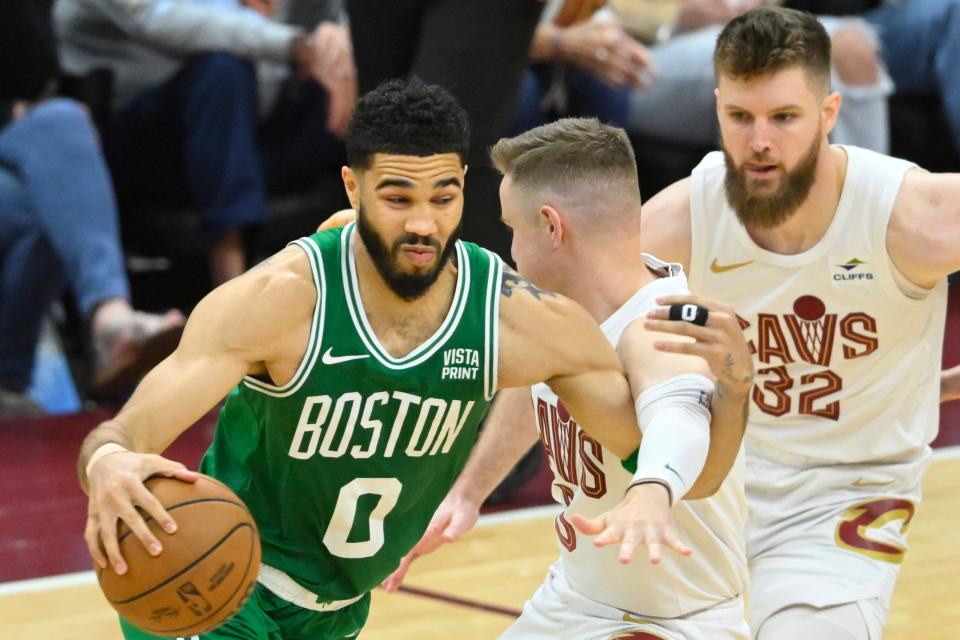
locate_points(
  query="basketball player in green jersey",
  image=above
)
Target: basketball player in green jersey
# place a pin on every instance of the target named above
(356, 364)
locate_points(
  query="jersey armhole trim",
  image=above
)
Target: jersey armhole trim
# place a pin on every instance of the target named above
(491, 334)
(309, 246)
(698, 223)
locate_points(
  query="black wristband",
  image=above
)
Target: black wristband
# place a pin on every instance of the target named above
(662, 483)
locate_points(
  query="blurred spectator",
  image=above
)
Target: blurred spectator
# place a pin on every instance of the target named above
(666, 92)
(477, 49)
(921, 48)
(192, 79)
(58, 222)
(580, 67)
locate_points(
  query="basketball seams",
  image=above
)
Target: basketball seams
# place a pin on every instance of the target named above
(147, 518)
(192, 564)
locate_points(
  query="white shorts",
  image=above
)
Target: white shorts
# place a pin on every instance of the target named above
(828, 535)
(557, 612)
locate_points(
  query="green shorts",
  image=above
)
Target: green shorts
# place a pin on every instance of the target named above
(266, 616)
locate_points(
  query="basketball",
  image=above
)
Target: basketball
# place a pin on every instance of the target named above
(206, 570)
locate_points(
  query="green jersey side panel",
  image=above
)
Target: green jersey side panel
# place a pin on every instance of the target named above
(344, 465)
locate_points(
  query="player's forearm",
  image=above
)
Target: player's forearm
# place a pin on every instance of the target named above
(507, 435)
(495, 455)
(727, 425)
(602, 404)
(950, 384)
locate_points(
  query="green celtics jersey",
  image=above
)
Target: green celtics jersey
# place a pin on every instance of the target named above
(344, 465)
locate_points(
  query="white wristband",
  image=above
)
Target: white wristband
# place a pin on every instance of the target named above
(103, 450)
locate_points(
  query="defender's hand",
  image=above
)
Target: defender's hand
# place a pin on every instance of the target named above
(641, 518)
(720, 341)
(453, 518)
(339, 219)
(116, 491)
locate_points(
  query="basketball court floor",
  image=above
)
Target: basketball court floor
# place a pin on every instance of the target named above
(471, 590)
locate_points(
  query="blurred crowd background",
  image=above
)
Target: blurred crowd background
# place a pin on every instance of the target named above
(153, 149)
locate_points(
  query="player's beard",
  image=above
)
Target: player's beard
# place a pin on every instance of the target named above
(769, 211)
(408, 286)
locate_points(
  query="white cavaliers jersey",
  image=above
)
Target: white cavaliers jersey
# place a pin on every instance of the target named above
(847, 364)
(589, 480)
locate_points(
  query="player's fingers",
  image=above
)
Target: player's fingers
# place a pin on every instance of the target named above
(688, 348)
(627, 549)
(673, 542)
(653, 552)
(338, 219)
(588, 527)
(460, 523)
(395, 579)
(91, 534)
(108, 536)
(157, 465)
(683, 328)
(143, 498)
(612, 534)
(712, 305)
(183, 474)
(709, 303)
(132, 517)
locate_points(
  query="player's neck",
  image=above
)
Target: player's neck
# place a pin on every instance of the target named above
(385, 309)
(811, 220)
(603, 279)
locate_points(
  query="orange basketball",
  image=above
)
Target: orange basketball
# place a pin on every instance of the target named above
(204, 574)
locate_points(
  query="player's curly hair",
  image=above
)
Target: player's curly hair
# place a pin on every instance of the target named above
(766, 40)
(406, 117)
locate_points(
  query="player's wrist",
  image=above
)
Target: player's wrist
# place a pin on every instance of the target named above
(646, 484)
(100, 453)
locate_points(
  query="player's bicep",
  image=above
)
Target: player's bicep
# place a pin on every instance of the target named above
(647, 366)
(188, 383)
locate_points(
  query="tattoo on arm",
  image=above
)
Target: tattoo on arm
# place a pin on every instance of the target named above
(514, 282)
(728, 371)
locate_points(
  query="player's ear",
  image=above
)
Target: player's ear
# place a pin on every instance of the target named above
(551, 220)
(351, 182)
(830, 110)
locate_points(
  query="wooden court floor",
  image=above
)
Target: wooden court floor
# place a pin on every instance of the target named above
(498, 565)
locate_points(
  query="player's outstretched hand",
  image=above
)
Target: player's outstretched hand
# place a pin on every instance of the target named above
(720, 341)
(116, 492)
(339, 219)
(641, 518)
(453, 518)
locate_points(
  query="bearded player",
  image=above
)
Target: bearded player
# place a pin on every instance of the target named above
(571, 198)
(357, 364)
(835, 258)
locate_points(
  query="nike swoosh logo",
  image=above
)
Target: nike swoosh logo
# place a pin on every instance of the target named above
(717, 268)
(329, 358)
(628, 617)
(860, 482)
(669, 468)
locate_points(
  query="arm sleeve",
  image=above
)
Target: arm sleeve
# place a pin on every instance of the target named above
(675, 419)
